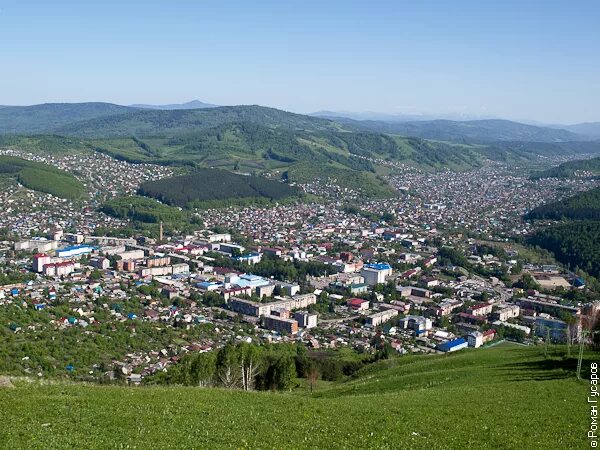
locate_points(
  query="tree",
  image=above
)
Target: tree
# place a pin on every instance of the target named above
(228, 367)
(249, 356)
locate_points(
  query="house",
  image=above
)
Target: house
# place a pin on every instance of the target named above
(358, 304)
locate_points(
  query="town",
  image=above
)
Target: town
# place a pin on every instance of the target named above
(429, 271)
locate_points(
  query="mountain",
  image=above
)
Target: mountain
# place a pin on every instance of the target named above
(472, 131)
(141, 123)
(194, 104)
(591, 129)
(397, 117)
(48, 117)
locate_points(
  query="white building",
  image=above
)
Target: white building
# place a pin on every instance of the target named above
(475, 339)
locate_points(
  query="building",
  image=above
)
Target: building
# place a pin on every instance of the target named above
(556, 329)
(419, 324)
(249, 307)
(59, 269)
(489, 335)
(305, 319)
(280, 324)
(376, 273)
(453, 346)
(358, 304)
(158, 261)
(508, 312)
(100, 263)
(381, 317)
(475, 339)
(74, 250)
(481, 309)
(40, 260)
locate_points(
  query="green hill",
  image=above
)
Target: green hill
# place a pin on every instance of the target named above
(48, 117)
(210, 185)
(489, 130)
(570, 168)
(41, 177)
(505, 397)
(582, 206)
(171, 123)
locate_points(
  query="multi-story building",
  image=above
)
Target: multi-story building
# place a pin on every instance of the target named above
(481, 309)
(508, 312)
(280, 324)
(40, 260)
(381, 317)
(376, 273)
(305, 319)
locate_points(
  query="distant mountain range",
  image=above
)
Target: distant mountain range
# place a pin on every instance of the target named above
(194, 104)
(471, 131)
(252, 138)
(591, 129)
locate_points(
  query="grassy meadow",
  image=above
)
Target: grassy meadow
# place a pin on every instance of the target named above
(509, 397)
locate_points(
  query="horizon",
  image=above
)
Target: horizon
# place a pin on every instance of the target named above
(512, 61)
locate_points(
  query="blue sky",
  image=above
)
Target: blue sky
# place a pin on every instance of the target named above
(537, 60)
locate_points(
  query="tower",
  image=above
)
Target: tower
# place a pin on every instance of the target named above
(160, 231)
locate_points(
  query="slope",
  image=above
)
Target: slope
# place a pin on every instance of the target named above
(490, 130)
(569, 169)
(505, 397)
(41, 177)
(48, 117)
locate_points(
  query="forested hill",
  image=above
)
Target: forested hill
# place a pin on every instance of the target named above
(170, 123)
(472, 131)
(571, 168)
(576, 240)
(582, 206)
(206, 185)
(48, 117)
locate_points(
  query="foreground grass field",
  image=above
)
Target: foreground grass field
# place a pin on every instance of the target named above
(504, 397)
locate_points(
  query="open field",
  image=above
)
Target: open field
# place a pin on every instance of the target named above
(504, 397)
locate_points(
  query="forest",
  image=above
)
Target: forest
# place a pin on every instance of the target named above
(41, 177)
(214, 184)
(581, 206)
(575, 243)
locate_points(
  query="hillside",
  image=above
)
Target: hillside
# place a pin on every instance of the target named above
(570, 168)
(144, 123)
(41, 177)
(576, 240)
(490, 130)
(575, 244)
(584, 205)
(591, 129)
(505, 397)
(214, 185)
(49, 117)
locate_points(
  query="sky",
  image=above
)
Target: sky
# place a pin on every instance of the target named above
(528, 59)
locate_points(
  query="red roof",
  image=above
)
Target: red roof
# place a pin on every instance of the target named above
(356, 301)
(488, 332)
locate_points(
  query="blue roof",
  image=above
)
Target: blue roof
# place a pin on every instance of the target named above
(451, 344)
(75, 247)
(379, 266)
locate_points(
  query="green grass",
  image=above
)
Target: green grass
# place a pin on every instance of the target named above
(506, 397)
(41, 177)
